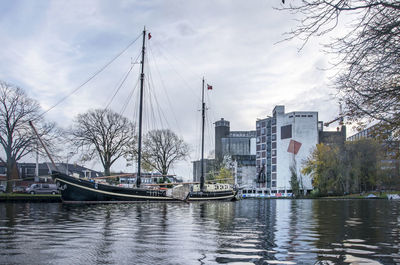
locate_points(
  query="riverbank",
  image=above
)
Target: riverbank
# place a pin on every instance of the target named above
(20, 197)
(367, 195)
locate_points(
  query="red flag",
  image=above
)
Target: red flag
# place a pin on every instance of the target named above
(209, 87)
(149, 35)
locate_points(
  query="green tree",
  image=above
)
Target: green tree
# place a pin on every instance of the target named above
(224, 176)
(322, 166)
(294, 180)
(355, 167)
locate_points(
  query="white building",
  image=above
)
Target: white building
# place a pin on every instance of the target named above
(284, 140)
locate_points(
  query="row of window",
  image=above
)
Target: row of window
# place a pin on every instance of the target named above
(302, 115)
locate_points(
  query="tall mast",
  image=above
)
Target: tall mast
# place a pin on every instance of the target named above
(203, 111)
(138, 180)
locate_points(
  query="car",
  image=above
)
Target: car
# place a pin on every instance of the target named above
(42, 188)
(2, 188)
(19, 189)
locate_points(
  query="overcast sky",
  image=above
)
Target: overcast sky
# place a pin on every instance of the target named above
(51, 47)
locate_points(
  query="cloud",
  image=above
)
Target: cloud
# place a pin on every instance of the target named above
(51, 47)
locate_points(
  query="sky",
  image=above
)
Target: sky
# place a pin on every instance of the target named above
(50, 48)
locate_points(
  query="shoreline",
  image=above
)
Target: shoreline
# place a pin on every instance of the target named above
(19, 197)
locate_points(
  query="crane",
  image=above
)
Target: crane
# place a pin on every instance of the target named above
(339, 118)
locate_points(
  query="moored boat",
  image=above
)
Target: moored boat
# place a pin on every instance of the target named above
(74, 189)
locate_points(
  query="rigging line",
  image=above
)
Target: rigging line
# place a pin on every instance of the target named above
(209, 133)
(187, 66)
(120, 85)
(151, 117)
(161, 114)
(211, 107)
(164, 88)
(93, 76)
(154, 96)
(128, 99)
(193, 90)
(123, 80)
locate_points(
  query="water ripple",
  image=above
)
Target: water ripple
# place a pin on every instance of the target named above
(322, 232)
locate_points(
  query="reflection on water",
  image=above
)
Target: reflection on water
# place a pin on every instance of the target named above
(245, 232)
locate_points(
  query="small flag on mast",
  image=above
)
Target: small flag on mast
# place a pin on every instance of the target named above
(149, 35)
(209, 87)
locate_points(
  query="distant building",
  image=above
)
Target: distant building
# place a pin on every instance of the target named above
(26, 172)
(237, 146)
(209, 169)
(284, 140)
(337, 137)
(147, 178)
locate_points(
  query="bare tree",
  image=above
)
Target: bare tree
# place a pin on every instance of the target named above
(16, 136)
(162, 148)
(103, 133)
(368, 79)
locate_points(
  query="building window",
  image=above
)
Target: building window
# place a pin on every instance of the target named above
(263, 154)
(274, 129)
(274, 176)
(263, 139)
(263, 146)
(297, 115)
(310, 116)
(263, 161)
(274, 160)
(291, 116)
(273, 137)
(273, 168)
(286, 131)
(303, 116)
(273, 152)
(273, 145)
(263, 124)
(274, 184)
(262, 131)
(258, 147)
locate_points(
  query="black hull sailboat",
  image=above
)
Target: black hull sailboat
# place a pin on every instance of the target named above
(90, 191)
(85, 191)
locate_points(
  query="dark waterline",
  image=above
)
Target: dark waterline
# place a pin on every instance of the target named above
(244, 232)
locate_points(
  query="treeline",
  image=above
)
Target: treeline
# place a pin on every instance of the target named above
(354, 167)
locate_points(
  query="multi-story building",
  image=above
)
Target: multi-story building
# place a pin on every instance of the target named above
(209, 169)
(283, 141)
(236, 146)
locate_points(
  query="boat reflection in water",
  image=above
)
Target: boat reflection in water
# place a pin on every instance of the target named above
(247, 232)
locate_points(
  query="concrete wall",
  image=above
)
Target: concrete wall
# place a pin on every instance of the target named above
(304, 131)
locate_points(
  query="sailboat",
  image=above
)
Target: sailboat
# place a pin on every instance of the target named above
(80, 190)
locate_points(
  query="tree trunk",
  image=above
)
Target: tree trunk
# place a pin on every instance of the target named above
(10, 171)
(164, 173)
(107, 167)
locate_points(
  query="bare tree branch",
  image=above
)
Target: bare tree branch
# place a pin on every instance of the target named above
(103, 133)
(368, 55)
(16, 137)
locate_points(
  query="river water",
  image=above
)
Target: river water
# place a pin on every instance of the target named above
(244, 232)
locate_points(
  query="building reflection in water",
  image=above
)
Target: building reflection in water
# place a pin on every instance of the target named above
(248, 231)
